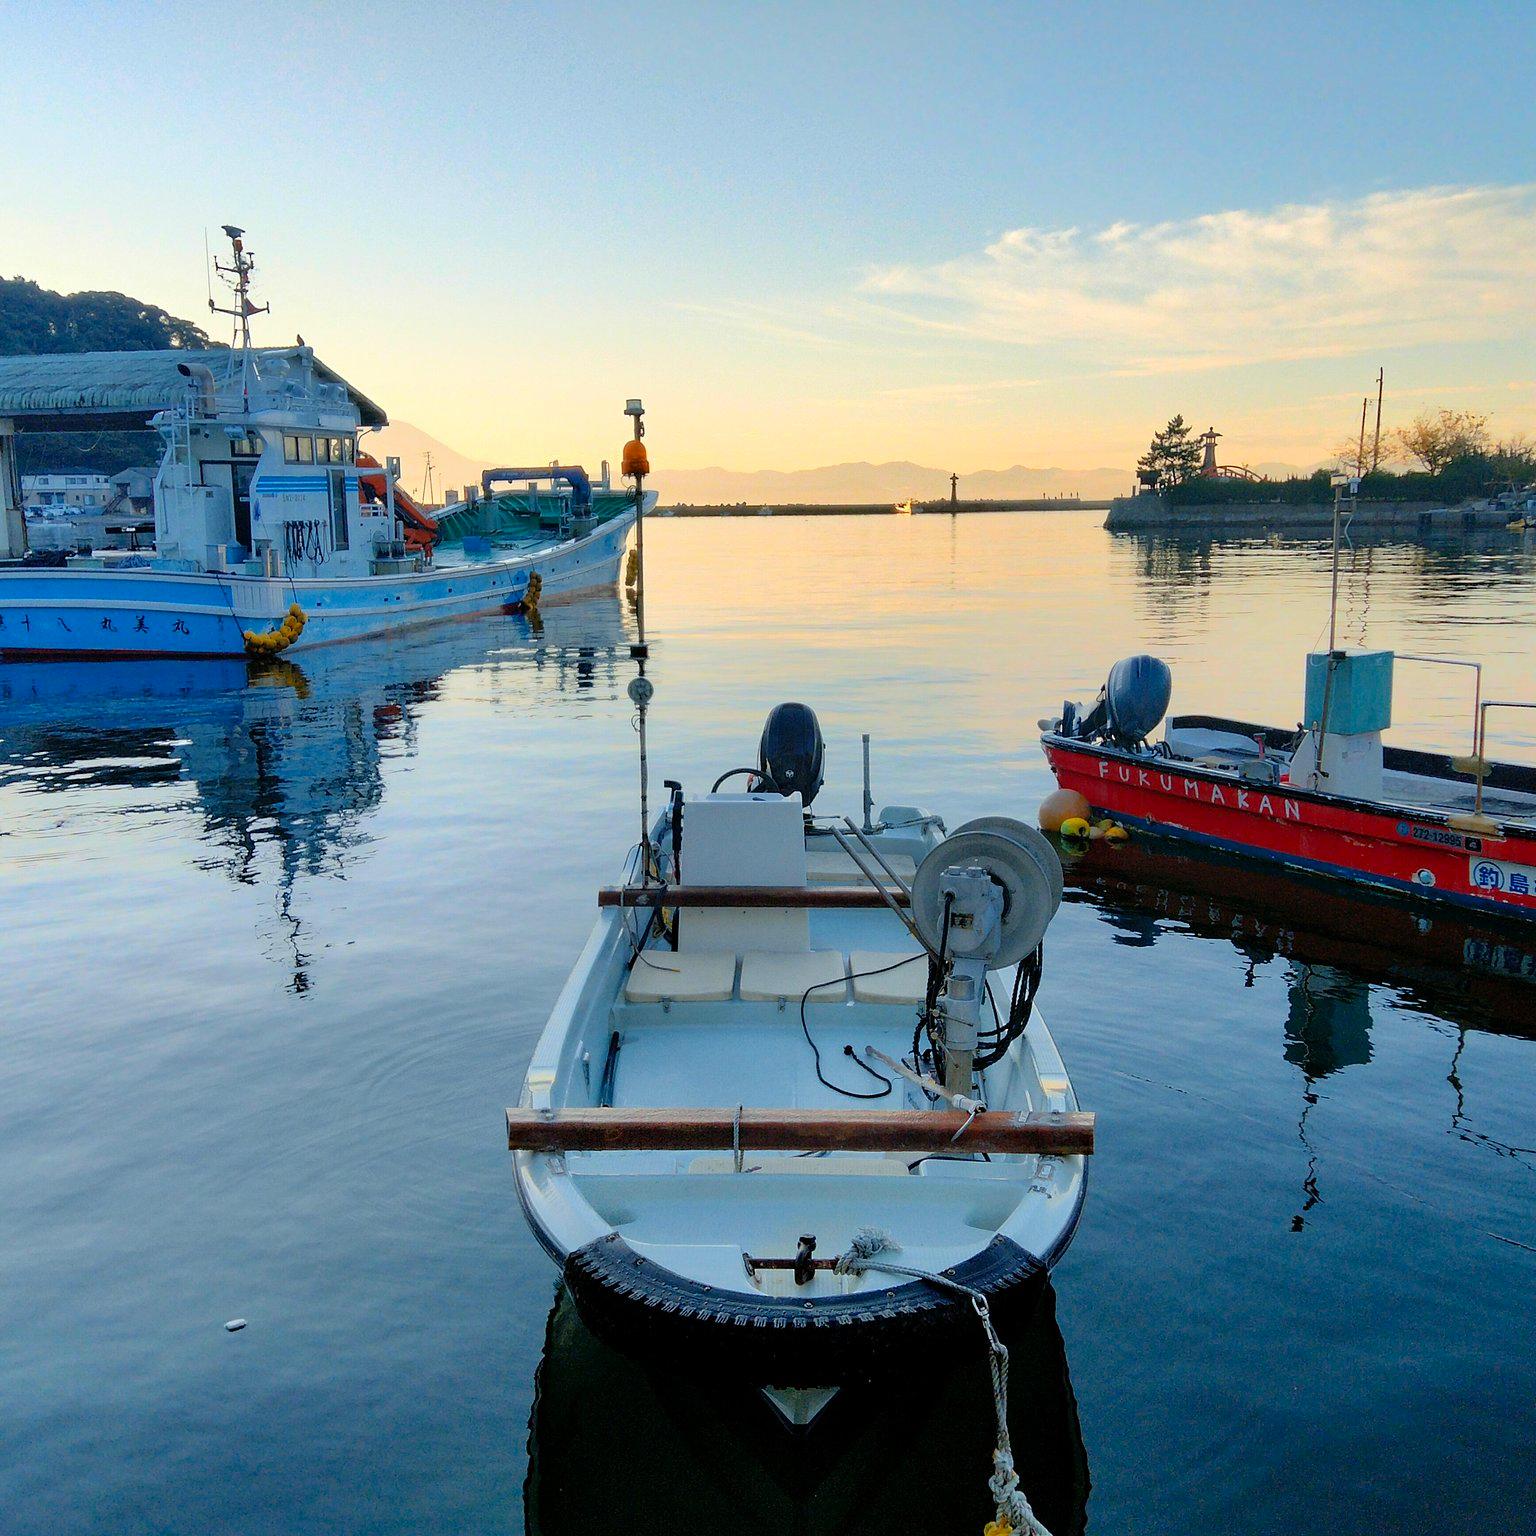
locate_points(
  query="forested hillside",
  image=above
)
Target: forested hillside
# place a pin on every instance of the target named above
(35, 319)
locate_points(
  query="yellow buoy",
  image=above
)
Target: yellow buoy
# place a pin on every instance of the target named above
(270, 642)
(1115, 833)
(1061, 806)
(1075, 826)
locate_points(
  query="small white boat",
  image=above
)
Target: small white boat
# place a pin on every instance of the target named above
(794, 1110)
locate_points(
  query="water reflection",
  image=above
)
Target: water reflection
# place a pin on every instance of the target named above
(284, 759)
(1337, 947)
(1338, 940)
(659, 1452)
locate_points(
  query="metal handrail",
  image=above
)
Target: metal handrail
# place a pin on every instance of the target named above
(1477, 693)
(1482, 738)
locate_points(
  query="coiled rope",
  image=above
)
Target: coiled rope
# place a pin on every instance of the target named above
(866, 1252)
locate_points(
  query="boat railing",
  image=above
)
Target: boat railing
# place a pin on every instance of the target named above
(1481, 756)
(1477, 696)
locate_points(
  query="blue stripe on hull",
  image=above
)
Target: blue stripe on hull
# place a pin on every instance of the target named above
(148, 613)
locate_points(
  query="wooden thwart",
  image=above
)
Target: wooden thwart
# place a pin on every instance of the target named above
(747, 896)
(796, 1130)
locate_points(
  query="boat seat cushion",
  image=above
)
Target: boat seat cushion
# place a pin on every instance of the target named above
(1197, 743)
(767, 975)
(907, 985)
(695, 977)
(834, 867)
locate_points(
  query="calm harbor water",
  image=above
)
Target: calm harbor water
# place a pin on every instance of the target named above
(275, 950)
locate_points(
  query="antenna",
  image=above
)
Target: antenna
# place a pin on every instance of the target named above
(237, 275)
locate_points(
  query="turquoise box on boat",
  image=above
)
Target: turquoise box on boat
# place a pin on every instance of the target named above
(1360, 697)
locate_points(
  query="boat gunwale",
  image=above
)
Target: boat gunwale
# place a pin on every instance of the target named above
(550, 1191)
(1517, 831)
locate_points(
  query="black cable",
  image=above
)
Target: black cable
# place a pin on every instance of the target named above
(805, 1029)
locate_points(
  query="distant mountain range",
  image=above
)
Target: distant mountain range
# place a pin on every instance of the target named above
(860, 482)
(883, 482)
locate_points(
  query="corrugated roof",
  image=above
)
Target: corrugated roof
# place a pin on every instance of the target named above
(64, 390)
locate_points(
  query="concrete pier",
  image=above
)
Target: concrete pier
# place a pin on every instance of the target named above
(1153, 513)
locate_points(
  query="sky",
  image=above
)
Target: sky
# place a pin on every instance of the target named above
(966, 235)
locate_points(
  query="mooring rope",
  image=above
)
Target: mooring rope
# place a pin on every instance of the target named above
(866, 1252)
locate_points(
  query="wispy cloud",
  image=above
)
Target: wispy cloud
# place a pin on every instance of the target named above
(1433, 265)
(960, 390)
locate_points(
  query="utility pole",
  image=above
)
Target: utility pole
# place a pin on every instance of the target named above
(1360, 451)
(1381, 374)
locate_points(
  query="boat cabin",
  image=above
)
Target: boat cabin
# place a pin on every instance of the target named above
(259, 471)
(260, 474)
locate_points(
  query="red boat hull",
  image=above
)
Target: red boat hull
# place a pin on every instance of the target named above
(1413, 852)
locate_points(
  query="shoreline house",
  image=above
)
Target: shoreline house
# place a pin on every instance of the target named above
(65, 492)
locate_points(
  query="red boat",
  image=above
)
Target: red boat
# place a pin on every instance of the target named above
(1327, 798)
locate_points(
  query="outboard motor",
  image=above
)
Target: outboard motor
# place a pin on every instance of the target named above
(1130, 705)
(790, 754)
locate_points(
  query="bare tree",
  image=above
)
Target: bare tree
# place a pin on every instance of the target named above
(1436, 439)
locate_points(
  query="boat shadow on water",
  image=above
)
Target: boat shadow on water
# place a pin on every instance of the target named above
(284, 760)
(1480, 972)
(657, 1450)
(1337, 943)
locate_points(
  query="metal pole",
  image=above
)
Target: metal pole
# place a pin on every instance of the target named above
(640, 649)
(1333, 599)
(1360, 451)
(869, 799)
(1381, 374)
(640, 687)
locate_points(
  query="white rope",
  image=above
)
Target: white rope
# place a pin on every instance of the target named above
(1013, 1512)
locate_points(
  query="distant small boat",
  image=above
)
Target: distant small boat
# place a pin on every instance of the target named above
(773, 1075)
(905, 507)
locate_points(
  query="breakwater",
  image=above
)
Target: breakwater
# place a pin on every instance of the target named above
(881, 508)
(1155, 513)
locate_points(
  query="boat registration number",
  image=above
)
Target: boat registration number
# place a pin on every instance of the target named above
(1497, 877)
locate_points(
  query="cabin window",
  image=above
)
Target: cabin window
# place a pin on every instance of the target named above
(322, 450)
(349, 450)
(248, 447)
(290, 448)
(337, 456)
(306, 450)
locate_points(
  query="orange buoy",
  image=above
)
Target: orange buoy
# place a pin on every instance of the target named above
(1063, 805)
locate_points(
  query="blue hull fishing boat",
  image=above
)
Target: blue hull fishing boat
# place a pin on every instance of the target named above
(272, 531)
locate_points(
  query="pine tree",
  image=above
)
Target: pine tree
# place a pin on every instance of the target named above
(1172, 458)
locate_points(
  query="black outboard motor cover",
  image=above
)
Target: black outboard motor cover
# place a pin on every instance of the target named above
(790, 755)
(1136, 699)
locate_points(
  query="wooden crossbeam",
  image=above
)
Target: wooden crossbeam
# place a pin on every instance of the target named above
(715, 1129)
(746, 896)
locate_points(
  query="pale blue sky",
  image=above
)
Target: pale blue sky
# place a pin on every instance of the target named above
(782, 225)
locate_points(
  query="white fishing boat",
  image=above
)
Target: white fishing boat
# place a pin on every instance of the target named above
(795, 1111)
(273, 531)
